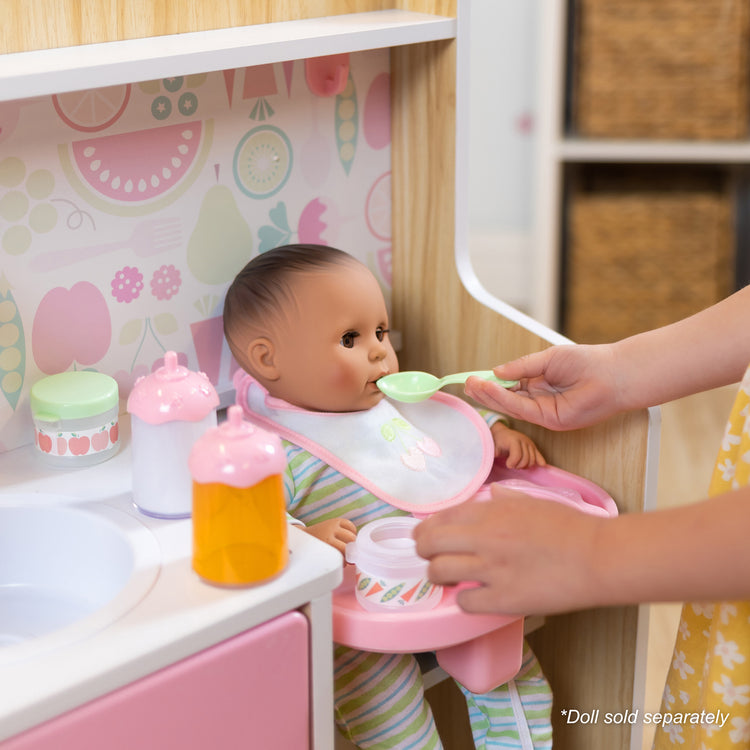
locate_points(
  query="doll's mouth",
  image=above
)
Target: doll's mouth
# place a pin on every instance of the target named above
(374, 382)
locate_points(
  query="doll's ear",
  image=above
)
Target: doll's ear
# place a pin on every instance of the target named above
(261, 356)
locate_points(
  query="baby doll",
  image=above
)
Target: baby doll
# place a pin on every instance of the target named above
(308, 324)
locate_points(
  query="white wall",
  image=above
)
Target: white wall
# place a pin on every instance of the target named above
(502, 90)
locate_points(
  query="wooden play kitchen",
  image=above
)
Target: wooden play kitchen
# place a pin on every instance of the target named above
(593, 659)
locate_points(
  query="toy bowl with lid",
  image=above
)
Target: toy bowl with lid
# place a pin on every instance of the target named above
(390, 575)
(76, 418)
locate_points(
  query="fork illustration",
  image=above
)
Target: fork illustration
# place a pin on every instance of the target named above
(148, 238)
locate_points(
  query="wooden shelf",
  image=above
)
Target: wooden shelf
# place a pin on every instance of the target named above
(684, 152)
(43, 72)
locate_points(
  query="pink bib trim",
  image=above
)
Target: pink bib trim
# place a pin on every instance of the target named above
(449, 474)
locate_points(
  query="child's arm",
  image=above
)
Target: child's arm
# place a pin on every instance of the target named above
(519, 449)
(337, 532)
(532, 556)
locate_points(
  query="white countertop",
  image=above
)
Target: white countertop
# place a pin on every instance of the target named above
(180, 615)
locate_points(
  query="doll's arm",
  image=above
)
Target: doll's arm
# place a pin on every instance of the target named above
(520, 450)
(337, 532)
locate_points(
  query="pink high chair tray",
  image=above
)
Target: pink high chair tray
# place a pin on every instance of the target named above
(480, 651)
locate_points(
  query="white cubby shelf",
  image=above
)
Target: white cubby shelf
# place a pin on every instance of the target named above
(52, 71)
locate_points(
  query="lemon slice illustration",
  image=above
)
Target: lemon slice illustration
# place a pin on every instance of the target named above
(93, 109)
(262, 161)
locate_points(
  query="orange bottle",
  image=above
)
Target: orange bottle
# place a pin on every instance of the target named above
(239, 515)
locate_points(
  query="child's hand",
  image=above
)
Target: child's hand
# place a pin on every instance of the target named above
(337, 532)
(520, 450)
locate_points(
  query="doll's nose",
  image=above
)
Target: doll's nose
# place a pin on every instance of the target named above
(378, 351)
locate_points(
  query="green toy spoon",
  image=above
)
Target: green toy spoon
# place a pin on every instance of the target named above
(417, 386)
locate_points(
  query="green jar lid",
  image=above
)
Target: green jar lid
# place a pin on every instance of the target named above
(73, 395)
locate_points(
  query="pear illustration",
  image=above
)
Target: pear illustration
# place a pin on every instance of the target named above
(221, 242)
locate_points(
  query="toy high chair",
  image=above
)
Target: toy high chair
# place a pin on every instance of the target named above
(480, 651)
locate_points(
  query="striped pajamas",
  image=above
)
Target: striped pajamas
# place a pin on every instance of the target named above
(379, 698)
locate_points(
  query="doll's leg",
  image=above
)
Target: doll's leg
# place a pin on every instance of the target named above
(514, 715)
(379, 701)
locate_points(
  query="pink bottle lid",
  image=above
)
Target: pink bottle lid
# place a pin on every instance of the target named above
(172, 394)
(236, 453)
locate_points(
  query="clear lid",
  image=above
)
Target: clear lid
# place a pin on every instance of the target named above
(386, 548)
(236, 453)
(172, 394)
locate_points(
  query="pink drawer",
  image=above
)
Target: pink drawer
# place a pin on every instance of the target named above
(249, 691)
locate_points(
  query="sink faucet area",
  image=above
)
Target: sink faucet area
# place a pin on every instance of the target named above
(95, 595)
(67, 571)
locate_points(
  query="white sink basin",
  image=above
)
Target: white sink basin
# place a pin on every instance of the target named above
(67, 571)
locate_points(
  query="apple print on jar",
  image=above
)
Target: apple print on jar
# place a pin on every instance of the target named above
(75, 418)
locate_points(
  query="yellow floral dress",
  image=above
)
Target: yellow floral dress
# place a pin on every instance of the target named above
(709, 679)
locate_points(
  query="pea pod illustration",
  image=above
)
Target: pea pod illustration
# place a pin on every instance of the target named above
(392, 593)
(12, 346)
(347, 124)
(426, 586)
(363, 584)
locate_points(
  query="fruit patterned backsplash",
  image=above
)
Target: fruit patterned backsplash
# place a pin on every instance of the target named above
(126, 211)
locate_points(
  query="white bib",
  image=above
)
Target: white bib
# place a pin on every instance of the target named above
(417, 457)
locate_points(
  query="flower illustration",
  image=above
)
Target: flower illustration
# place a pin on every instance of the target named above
(741, 731)
(127, 284)
(667, 698)
(684, 629)
(727, 469)
(680, 664)
(674, 732)
(727, 610)
(732, 693)
(729, 440)
(165, 282)
(703, 608)
(728, 652)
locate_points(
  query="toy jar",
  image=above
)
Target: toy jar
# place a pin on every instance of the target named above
(170, 409)
(390, 575)
(75, 418)
(239, 513)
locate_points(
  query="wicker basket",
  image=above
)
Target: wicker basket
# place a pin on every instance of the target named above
(645, 247)
(661, 69)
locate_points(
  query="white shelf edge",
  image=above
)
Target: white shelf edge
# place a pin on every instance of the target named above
(689, 152)
(42, 72)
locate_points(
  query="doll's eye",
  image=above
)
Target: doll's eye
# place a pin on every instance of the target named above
(347, 340)
(380, 333)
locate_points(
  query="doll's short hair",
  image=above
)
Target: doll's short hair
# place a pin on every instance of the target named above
(259, 292)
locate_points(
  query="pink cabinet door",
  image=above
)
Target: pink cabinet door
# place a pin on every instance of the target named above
(250, 692)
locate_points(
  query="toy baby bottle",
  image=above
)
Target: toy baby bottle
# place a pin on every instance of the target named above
(170, 409)
(239, 515)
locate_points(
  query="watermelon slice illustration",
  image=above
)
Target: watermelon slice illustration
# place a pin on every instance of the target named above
(136, 173)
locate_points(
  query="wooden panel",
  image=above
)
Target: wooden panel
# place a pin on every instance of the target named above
(589, 657)
(42, 24)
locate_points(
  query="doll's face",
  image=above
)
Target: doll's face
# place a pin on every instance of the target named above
(332, 344)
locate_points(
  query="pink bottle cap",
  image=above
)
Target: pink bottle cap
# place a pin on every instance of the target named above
(172, 394)
(236, 453)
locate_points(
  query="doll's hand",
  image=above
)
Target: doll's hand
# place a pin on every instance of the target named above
(337, 532)
(519, 449)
